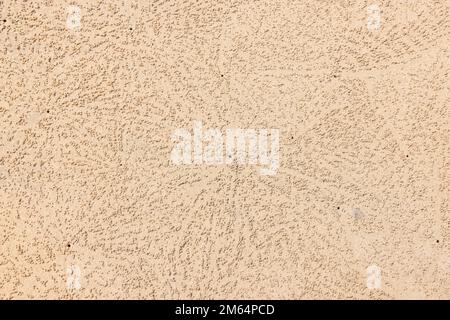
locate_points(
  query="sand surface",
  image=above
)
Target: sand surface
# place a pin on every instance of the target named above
(91, 205)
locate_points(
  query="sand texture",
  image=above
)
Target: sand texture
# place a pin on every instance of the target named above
(91, 206)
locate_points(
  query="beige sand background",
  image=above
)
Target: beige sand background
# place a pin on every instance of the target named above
(86, 181)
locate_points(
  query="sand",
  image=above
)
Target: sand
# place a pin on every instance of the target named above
(91, 206)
